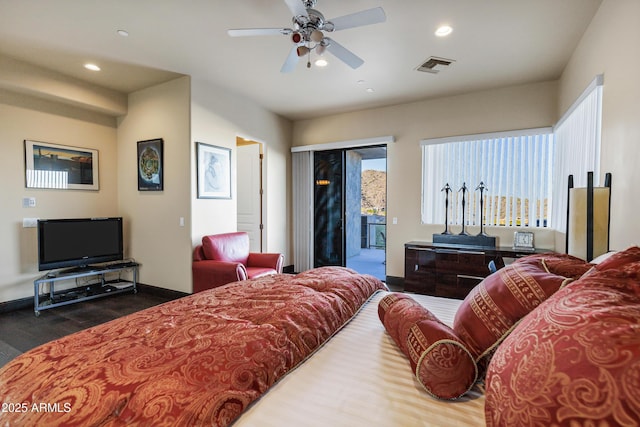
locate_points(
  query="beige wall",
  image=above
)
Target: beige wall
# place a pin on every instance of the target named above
(24, 117)
(519, 107)
(610, 47)
(152, 218)
(153, 234)
(218, 117)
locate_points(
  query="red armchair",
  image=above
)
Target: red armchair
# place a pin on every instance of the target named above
(225, 258)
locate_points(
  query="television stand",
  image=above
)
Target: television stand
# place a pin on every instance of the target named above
(101, 288)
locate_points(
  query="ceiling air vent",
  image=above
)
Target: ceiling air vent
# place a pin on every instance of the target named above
(434, 64)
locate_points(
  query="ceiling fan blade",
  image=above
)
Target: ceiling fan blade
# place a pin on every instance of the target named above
(296, 7)
(344, 54)
(358, 19)
(291, 61)
(243, 32)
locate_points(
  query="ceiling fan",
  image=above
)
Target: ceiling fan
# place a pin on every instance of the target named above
(308, 32)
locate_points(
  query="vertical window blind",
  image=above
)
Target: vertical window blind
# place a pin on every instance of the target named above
(577, 136)
(302, 168)
(514, 167)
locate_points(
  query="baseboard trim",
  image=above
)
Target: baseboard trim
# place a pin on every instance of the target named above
(18, 304)
(163, 292)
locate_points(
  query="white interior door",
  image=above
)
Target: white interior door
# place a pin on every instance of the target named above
(249, 193)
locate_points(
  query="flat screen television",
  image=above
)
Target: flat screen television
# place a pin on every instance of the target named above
(78, 242)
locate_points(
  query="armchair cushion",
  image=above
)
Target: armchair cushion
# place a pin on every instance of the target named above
(232, 247)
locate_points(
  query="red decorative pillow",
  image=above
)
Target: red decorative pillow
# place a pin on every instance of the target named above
(439, 360)
(573, 361)
(618, 259)
(560, 264)
(497, 303)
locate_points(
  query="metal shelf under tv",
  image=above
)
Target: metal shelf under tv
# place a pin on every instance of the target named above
(102, 288)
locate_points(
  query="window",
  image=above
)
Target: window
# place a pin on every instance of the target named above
(525, 172)
(515, 168)
(577, 136)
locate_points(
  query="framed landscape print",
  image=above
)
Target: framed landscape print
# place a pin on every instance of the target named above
(150, 165)
(60, 167)
(214, 171)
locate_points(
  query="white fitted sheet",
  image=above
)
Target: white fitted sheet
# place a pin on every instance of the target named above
(359, 378)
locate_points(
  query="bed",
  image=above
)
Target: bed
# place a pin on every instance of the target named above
(333, 347)
(361, 379)
(333, 364)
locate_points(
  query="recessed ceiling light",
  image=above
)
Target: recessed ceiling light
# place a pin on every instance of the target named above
(360, 82)
(92, 67)
(321, 62)
(443, 31)
(123, 33)
(370, 90)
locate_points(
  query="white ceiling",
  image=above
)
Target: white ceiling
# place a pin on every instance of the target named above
(494, 43)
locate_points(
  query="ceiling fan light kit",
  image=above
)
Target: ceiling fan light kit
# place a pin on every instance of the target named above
(308, 32)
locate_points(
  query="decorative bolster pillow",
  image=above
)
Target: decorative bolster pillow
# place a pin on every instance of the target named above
(438, 358)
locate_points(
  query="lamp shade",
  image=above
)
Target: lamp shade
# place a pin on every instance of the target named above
(577, 226)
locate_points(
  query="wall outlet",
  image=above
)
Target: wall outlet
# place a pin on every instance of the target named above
(29, 222)
(395, 220)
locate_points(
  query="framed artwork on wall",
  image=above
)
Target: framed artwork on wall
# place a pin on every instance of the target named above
(150, 165)
(214, 171)
(60, 167)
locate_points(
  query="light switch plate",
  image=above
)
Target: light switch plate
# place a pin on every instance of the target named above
(28, 202)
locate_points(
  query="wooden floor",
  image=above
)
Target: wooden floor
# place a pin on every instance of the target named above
(21, 330)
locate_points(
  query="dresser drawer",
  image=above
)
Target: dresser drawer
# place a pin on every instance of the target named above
(467, 262)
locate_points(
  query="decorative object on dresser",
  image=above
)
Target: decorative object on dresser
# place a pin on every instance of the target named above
(464, 238)
(482, 187)
(450, 270)
(447, 190)
(523, 240)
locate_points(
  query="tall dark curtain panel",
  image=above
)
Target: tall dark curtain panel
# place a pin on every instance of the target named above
(329, 208)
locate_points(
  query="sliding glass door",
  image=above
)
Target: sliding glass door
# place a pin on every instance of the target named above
(329, 242)
(349, 191)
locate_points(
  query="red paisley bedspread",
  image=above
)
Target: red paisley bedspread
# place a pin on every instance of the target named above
(199, 360)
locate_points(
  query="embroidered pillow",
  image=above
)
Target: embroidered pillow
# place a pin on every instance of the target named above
(575, 360)
(560, 264)
(496, 304)
(618, 259)
(439, 360)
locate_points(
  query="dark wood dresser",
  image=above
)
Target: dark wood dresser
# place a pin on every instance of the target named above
(451, 271)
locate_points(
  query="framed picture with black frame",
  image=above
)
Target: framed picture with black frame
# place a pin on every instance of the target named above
(214, 171)
(150, 165)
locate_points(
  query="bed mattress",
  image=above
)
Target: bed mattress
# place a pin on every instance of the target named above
(361, 378)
